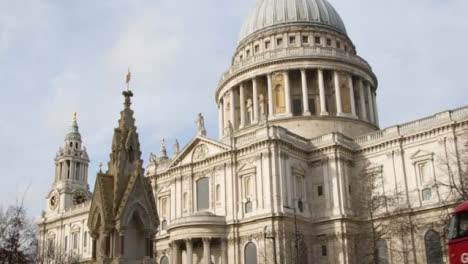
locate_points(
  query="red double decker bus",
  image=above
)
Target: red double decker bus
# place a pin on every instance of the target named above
(458, 235)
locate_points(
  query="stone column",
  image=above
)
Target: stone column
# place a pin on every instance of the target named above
(206, 250)
(270, 96)
(242, 106)
(72, 170)
(339, 105)
(287, 92)
(376, 112)
(233, 109)
(371, 105)
(323, 99)
(93, 248)
(175, 253)
(221, 118)
(224, 251)
(255, 100)
(363, 100)
(226, 117)
(189, 246)
(351, 95)
(122, 244)
(305, 93)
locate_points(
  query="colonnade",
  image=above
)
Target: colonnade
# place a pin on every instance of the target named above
(188, 243)
(364, 107)
(73, 170)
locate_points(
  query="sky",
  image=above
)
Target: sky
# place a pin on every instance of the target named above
(60, 57)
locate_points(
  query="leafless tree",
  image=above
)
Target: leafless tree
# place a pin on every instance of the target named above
(451, 180)
(384, 218)
(54, 256)
(18, 236)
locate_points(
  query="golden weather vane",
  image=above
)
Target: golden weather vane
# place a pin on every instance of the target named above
(129, 77)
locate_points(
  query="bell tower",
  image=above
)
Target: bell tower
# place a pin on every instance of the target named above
(70, 185)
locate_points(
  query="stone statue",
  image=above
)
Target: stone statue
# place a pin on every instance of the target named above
(152, 158)
(201, 125)
(163, 148)
(261, 102)
(228, 129)
(176, 147)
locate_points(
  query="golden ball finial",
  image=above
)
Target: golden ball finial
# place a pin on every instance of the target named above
(74, 116)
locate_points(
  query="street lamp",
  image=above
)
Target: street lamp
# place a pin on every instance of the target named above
(296, 235)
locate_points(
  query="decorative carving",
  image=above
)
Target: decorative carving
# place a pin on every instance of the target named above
(200, 152)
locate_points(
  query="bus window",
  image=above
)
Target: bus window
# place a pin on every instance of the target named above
(459, 225)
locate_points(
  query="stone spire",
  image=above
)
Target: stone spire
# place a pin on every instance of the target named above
(123, 196)
(73, 134)
(125, 158)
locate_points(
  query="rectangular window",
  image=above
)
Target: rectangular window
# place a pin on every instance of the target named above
(267, 44)
(305, 39)
(297, 107)
(329, 42)
(85, 239)
(427, 194)
(320, 190)
(257, 48)
(247, 53)
(75, 241)
(203, 194)
(65, 245)
(279, 41)
(317, 40)
(338, 45)
(292, 40)
(324, 251)
(312, 106)
(241, 57)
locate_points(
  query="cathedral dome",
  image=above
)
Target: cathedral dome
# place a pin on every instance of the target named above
(270, 13)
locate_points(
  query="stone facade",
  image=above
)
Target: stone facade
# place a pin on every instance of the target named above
(298, 157)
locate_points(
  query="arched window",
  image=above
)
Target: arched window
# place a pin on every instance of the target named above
(381, 252)
(248, 207)
(164, 260)
(250, 253)
(164, 225)
(203, 194)
(433, 247)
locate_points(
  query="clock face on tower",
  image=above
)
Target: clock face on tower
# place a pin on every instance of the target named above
(53, 201)
(79, 197)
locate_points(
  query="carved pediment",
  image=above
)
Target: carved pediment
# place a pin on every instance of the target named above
(199, 148)
(422, 155)
(373, 168)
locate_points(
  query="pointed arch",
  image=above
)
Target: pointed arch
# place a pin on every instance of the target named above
(95, 218)
(141, 213)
